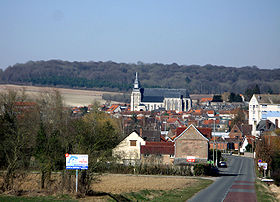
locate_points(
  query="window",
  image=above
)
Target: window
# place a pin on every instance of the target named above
(132, 143)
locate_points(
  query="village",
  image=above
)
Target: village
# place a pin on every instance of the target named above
(174, 137)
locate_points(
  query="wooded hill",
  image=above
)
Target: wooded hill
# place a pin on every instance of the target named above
(120, 76)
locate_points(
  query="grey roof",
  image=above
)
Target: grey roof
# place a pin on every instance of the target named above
(158, 94)
(265, 125)
(151, 136)
(268, 98)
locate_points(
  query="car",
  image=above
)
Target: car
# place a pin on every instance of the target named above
(222, 164)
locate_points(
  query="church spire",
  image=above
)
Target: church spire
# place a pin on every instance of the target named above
(136, 82)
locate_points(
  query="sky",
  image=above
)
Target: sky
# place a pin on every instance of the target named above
(220, 32)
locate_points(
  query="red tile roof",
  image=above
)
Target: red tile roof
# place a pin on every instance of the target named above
(206, 99)
(157, 148)
(206, 132)
(210, 121)
(250, 139)
(210, 112)
(112, 107)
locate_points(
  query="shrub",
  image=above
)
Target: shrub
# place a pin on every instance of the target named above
(199, 169)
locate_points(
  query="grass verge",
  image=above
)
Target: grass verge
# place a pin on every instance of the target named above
(171, 195)
(5, 198)
(263, 193)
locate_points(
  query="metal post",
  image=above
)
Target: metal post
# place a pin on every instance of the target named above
(214, 151)
(76, 180)
(214, 143)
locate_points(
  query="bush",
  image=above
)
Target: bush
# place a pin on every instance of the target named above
(276, 176)
(276, 168)
(199, 169)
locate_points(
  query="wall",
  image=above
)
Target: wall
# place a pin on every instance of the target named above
(127, 153)
(191, 143)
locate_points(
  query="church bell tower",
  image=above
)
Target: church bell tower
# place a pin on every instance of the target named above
(135, 95)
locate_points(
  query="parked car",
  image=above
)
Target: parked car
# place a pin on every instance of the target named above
(222, 164)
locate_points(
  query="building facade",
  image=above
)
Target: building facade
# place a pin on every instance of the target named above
(191, 143)
(128, 151)
(149, 99)
(264, 107)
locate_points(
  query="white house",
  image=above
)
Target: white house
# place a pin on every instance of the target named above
(247, 140)
(128, 150)
(264, 107)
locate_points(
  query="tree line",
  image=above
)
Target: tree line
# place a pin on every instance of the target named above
(36, 134)
(119, 76)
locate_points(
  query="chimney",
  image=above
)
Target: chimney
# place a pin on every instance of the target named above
(267, 124)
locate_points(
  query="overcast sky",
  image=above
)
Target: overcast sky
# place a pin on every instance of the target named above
(219, 32)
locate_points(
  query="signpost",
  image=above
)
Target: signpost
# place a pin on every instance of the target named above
(262, 164)
(76, 162)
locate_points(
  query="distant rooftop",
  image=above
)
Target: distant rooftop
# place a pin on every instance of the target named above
(158, 94)
(268, 98)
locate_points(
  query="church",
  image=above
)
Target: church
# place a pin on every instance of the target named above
(149, 99)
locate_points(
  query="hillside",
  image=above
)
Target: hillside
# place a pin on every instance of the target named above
(119, 76)
(70, 97)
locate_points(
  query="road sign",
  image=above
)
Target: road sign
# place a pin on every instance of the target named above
(77, 161)
(265, 167)
(259, 160)
(191, 159)
(262, 164)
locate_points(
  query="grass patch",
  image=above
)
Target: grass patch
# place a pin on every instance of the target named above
(4, 198)
(170, 195)
(263, 193)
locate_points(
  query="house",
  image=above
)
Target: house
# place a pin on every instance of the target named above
(191, 144)
(236, 133)
(248, 139)
(114, 108)
(157, 153)
(128, 151)
(206, 101)
(150, 99)
(265, 126)
(264, 107)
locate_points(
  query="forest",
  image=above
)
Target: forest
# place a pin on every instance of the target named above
(112, 76)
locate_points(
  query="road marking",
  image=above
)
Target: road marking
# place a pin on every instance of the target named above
(240, 196)
(240, 166)
(240, 181)
(227, 192)
(243, 187)
(242, 190)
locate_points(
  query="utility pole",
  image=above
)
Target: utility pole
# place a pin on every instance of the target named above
(215, 139)
(214, 145)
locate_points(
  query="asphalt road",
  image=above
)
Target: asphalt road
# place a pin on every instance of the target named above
(235, 184)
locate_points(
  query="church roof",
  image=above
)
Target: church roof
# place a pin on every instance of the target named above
(158, 94)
